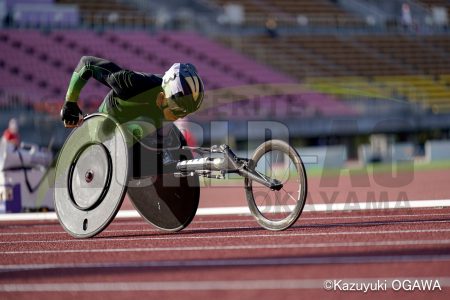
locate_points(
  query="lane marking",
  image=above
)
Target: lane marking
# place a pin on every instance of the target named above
(252, 220)
(194, 229)
(302, 218)
(237, 262)
(239, 247)
(209, 237)
(362, 206)
(226, 285)
(244, 210)
(164, 286)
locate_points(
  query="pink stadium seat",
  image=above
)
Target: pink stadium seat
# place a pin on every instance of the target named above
(47, 60)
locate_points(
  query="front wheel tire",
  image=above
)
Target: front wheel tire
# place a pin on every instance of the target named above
(277, 210)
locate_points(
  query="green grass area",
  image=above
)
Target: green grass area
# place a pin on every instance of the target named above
(380, 168)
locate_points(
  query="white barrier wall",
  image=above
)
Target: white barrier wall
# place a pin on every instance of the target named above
(30, 199)
(312, 157)
(3, 10)
(437, 150)
(401, 152)
(394, 153)
(26, 167)
(324, 156)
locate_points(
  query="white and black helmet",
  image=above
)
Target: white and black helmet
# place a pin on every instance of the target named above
(183, 88)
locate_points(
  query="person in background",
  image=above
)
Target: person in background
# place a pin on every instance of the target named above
(407, 19)
(11, 134)
(272, 27)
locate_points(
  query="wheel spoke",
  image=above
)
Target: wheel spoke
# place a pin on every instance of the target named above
(264, 200)
(287, 170)
(277, 200)
(268, 164)
(290, 195)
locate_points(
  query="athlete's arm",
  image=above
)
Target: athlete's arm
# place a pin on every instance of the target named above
(124, 83)
(89, 66)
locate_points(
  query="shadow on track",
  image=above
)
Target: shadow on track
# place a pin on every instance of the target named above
(187, 231)
(128, 268)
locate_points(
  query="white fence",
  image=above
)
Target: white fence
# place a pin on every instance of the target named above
(437, 150)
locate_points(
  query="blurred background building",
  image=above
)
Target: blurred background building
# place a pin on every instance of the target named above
(357, 80)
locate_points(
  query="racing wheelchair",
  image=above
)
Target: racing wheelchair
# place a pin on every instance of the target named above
(102, 160)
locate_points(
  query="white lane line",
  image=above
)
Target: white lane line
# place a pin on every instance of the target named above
(250, 219)
(194, 229)
(302, 218)
(163, 286)
(242, 220)
(334, 207)
(171, 237)
(224, 285)
(238, 262)
(239, 247)
(244, 210)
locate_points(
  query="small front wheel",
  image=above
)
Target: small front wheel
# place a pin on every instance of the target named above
(277, 209)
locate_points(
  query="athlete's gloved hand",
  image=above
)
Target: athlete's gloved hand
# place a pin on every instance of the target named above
(71, 114)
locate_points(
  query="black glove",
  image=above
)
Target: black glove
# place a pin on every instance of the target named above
(70, 114)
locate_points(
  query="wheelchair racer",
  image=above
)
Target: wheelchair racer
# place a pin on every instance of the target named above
(134, 94)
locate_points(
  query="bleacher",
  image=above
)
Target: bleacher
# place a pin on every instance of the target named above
(420, 89)
(39, 13)
(401, 66)
(288, 12)
(412, 52)
(100, 12)
(325, 63)
(40, 64)
(408, 67)
(435, 3)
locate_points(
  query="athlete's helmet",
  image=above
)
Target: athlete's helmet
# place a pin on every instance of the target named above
(183, 88)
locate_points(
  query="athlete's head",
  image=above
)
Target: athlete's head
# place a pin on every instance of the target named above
(183, 91)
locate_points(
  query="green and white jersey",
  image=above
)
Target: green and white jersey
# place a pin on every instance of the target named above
(133, 94)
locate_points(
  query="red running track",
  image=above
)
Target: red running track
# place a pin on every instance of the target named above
(230, 257)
